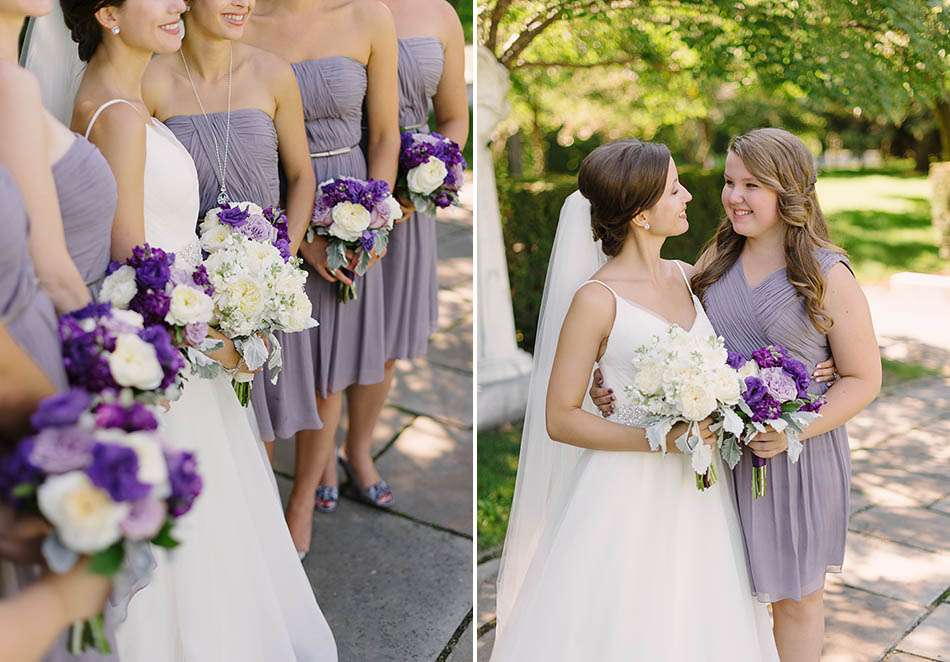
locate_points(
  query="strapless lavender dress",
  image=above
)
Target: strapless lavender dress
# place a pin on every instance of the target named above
(796, 532)
(409, 269)
(285, 408)
(349, 344)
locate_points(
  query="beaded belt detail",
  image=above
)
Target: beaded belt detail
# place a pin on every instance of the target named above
(332, 152)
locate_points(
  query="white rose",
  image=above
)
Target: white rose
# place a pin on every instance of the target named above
(247, 294)
(725, 385)
(134, 363)
(395, 211)
(427, 177)
(153, 470)
(119, 287)
(189, 306)
(750, 369)
(85, 517)
(349, 221)
(713, 352)
(262, 257)
(214, 237)
(297, 316)
(648, 379)
(129, 317)
(251, 208)
(696, 402)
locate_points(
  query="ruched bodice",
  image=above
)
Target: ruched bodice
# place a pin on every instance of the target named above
(87, 196)
(332, 90)
(17, 281)
(421, 60)
(252, 172)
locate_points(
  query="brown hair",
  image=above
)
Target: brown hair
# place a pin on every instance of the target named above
(782, 163)
(80, 18)
(621, 179)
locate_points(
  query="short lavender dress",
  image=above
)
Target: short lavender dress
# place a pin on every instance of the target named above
(796, 532)
(349, 345)
(87, 196)
(289, 406)
(409, 270)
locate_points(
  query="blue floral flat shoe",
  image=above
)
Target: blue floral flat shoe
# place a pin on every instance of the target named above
(327, 498)
(379, 494)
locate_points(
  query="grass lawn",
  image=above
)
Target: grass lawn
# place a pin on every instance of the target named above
(883, 221)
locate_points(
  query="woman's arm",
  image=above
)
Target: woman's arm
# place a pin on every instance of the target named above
(382, 94)
(583, 334)
(22, 386)
(120, 135)
(294, 151)
(451, 99)
(24, 151)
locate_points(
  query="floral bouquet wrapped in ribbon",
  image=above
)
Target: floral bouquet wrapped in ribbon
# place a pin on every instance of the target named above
(431, 171)
(685, 378)
(258, 289)
(356, 216)
(775, 394)
(267, 226)
(107, 492)
(165, 292)
(106, 349)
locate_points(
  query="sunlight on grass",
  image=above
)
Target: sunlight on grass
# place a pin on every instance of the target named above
(497, 466)
(883, 221)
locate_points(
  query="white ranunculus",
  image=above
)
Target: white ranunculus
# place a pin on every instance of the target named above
(726, 385)
(649, 379)
(349, 221)
(119, 287)
(214, 236)
(85, 517)
(297, 316)
(248, 295)
(189, 306)
(750, 369)
(262, 257)
(696, 401)
(134, 363)
(427, 177)
(395, 211)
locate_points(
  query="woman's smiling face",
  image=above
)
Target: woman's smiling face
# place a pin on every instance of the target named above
(750, 207)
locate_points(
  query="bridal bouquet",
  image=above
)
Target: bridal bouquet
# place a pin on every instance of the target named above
(258, 288)
(107, 349)
(775, 394)
(685, 378)
(107, 492)
(167, 293)
(356, 216)
(431, 171)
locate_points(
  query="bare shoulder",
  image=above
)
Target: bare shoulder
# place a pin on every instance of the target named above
(593, 298)
(267, 66)
(373, 14)
(119, 123)
(444, 12)
(840, 279)
(687, 268)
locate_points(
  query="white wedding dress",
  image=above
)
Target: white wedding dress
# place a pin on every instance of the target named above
(234, 591)
(625, 560)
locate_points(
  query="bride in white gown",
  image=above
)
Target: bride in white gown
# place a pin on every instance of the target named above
(611, 553)
(234, 591)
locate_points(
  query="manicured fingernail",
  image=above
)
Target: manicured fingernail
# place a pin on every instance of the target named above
(610, 390)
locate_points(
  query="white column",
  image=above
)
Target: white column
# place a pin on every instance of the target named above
(503, 368)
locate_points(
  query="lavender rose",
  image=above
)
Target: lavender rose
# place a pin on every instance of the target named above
(58, 450)
(61, 409)
(779, 383)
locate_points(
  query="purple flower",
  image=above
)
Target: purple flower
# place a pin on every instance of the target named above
(368, 240)
(58, 450)
(185, 481)
(153, 273)
(764, 407)
(770, 356)
(258, 228)
(813, 406)
(735, 360)
(283, 247)
(115, 469)
(151, 305)
(144, 520)
(200, 276)
(799, 373)
(233, 216)
(196, 333)
(133, 418)
(779, 383)
(168, 355)
(61, 409)
(16, 469)
(113, 267)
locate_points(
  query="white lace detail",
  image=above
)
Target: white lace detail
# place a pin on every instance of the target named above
(633, 416)
(189, 254)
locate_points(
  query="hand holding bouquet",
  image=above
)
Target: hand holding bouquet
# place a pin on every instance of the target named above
(107, 493)
(431, 171)
(354, 215)
(685, 378)
(775, 394)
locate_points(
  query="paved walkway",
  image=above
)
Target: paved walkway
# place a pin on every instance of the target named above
(892, 602)
(397, 586)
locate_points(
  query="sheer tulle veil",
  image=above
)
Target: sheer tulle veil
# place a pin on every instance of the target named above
(545, 465)
(50, 53)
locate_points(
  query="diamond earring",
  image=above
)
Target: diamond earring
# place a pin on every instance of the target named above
(115, 29)
(646, 226)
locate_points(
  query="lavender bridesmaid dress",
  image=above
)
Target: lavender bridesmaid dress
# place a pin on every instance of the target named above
(87, 196)
(349, 344)
(285, 408)
(796, 532)
(25, 310)
(409, 270)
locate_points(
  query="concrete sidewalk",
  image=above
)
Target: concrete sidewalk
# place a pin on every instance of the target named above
(396, 586)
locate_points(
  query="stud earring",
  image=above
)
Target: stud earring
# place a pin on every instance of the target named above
(115, 29)
(646, 226)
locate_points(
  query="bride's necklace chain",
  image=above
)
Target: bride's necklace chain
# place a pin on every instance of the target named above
(223, 197)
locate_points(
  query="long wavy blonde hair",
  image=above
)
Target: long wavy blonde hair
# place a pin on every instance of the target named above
(780, 161)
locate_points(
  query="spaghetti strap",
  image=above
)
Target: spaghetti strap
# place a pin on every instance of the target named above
(680, 267)
(600, 282)
(102, 108)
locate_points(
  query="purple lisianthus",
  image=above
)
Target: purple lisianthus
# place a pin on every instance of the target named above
(735, 360)
(799, 373)
(58, 450)
(186, 483)
(153, 273)
(132, 418)
(779, 383)
(233, 216)
(764, 407)
(168, 355)
(367, 240)
(144, 520)
(61, 409)
(115, 469)
(83, 350)
(151, 305)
